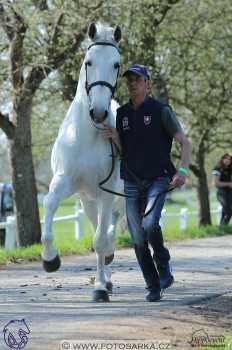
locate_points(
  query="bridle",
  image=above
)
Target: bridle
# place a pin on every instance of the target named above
(88, 86)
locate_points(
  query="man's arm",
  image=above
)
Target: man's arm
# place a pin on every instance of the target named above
(174, 129)
(181, 175)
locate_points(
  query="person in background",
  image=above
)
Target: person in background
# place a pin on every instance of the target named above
(222, 175)
(145, 128)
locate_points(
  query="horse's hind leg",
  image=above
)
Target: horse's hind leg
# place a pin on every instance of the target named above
(90, 209)
(60, 188)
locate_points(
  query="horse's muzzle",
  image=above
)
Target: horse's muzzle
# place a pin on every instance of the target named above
(98, 118)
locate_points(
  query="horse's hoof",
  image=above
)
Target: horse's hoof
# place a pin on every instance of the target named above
(109, 259)
(109, 286)
(53, 265)
(100, 295)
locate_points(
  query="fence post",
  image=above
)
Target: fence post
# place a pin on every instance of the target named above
(10, 238)
(162, 218)
(183, 218)
(219, 214)
(79, 229)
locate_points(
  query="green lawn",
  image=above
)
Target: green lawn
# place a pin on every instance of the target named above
(67, 244)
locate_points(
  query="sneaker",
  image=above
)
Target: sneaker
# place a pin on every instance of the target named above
(153, 295)
(166, 277)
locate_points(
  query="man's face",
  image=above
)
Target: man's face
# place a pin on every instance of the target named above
(137, 85)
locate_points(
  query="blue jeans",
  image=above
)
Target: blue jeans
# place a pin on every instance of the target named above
(224, 196)
(146, 229)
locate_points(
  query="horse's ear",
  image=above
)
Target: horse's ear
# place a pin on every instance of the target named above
(92, 31)
(117, 34)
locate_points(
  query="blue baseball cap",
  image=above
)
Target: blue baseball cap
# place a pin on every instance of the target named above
(138, 69)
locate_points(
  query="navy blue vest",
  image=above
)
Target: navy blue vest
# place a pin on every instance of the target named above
(146, 146)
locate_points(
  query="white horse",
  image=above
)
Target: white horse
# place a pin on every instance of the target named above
(81, 156)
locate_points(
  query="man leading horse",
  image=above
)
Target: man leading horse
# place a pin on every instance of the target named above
(144, 132)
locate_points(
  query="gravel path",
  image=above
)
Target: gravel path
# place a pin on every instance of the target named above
(58, 306)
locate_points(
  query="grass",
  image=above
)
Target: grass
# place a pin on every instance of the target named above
(175, 235)
(67, 244)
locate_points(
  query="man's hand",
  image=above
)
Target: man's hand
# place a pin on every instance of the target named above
(111, 133)
(178, 179)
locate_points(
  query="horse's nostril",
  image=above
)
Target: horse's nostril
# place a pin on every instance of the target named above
(106, 113)
(91, 113)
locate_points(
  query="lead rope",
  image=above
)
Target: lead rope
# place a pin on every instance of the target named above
(142, 189)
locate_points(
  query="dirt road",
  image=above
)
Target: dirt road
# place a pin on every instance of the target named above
(57, 307)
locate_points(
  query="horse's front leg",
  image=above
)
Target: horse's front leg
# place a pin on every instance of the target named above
(60, 188)
(104, 247)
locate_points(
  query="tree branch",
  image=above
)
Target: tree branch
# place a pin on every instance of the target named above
(5, 22)
(56, 30)
(34, 79)
(164, 10)
(7, 126)
(92, 8)
(195, 170)
(41, 4)
(16, 50)
(15, 29)
(55, 61)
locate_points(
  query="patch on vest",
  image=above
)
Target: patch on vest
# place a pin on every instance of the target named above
(147, 119)
(125, 123)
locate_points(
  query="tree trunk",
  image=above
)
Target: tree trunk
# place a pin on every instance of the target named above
(24, 185)
(203, 196)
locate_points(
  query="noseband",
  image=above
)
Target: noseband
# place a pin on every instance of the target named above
(88, 86)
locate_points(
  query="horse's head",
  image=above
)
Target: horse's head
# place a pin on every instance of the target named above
(102, 63)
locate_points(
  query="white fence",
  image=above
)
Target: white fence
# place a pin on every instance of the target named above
(10, 226)
(184, 215)
(79, 218)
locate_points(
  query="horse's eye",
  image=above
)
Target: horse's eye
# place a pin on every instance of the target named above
(117, 65)
(89, 63)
